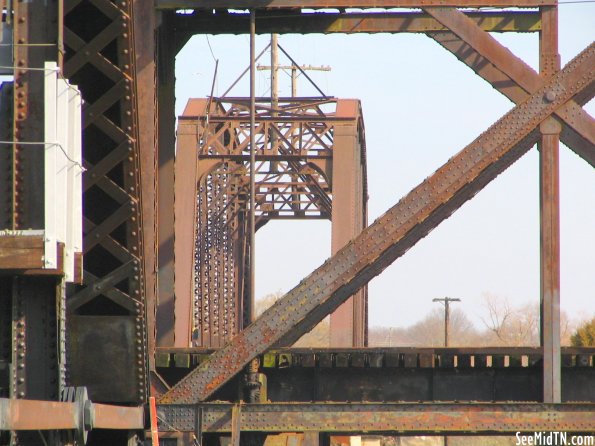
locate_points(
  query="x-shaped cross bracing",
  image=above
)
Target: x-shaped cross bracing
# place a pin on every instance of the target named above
(416, 214)
(512, 76)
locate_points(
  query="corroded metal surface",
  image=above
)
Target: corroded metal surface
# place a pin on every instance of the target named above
(209, 22)
(392, 234)
(53, 415)
(100, 60)
(402, 374)
(382, 418)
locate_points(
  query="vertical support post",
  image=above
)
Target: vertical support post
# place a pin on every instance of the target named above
(252, 225)
(165, 183)
(293, 81)
(550, 217)
(236, 421)
(347, 326)
(274, 95)
(185, 220)
(34, 23)
(146, 94)
(274, 71)
(550, 259)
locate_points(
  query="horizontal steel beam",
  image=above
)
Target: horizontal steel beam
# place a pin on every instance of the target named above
(401, 374)
(392, 234)
(203, 22)
(19, 414)
(325, 4)
(508, 350)
(472, 418)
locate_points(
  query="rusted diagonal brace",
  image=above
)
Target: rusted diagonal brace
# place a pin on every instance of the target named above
(391, 235)
(511, 76)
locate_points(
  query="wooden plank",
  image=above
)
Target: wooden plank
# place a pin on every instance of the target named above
(21, 252)
(21, 241)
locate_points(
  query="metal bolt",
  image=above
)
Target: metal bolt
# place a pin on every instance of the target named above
(550, 96)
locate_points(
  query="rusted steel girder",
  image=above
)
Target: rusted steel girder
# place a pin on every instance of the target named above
(110, 306)
(513, 77)
(404, 374)
(472, 418)
(391, 235)
(16, 415)
(378, 22)
(318, 4)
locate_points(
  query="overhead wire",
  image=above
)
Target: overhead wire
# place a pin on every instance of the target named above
(30, 143)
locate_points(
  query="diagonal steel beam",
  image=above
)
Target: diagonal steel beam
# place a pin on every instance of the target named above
(391, 235)
(511, 76)
(509, 88)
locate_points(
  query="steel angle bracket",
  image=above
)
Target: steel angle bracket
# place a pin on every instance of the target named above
(392, 234)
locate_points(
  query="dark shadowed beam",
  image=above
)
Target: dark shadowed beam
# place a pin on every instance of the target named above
(146, 96)
(287, 22)
(513, 77)
(325, 4)
(391, 235)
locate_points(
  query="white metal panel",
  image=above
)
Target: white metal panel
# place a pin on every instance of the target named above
(74, 212)
(50, 155)
(62, 170)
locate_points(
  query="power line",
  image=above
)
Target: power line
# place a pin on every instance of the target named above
(211, 48)
(30, 143)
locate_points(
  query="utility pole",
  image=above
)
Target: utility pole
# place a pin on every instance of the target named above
(274, 67)
(446, 302)
(274, 70)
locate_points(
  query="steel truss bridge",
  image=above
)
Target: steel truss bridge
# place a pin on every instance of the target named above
(141, 327)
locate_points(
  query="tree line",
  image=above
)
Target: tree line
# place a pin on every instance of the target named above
(503, 324)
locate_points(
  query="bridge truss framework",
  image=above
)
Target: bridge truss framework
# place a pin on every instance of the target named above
(101, 332)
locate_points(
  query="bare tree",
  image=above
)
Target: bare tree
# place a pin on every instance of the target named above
(499, 312)
(518, 326)
(513, 326)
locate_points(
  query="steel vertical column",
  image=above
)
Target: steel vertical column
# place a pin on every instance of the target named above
(252, 216)
(186, 190)
(550, 216)
(348, 325)
(144, 40)
(109, 308)
(165, 182)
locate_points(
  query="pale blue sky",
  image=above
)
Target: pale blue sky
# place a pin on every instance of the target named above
(421, 106)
